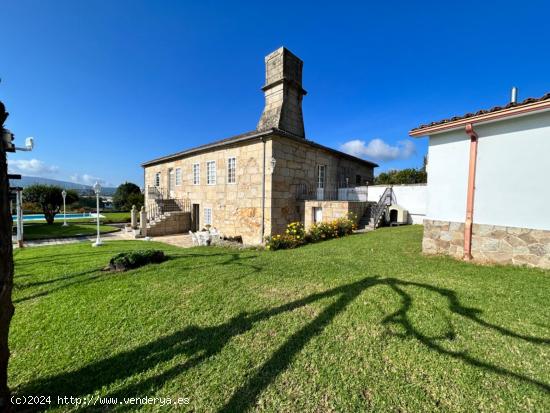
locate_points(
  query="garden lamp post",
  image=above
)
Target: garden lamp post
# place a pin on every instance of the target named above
(64, 195)
(97, 190)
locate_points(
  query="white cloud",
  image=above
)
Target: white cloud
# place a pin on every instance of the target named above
(379, 150)
(87, 179)
(31, 167)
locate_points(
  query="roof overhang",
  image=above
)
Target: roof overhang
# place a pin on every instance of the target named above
(251, 136)
(513, 112)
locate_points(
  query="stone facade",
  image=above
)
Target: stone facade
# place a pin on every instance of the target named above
(332, 210)
(297, 169)
(171, 223)
(235, 205)
(490, 243)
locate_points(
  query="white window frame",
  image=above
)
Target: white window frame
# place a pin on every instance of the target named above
(210, 179)
(178, 177)
(234, 159)
(208, 216)
(321, 183)
(196, 174)
(157, 179)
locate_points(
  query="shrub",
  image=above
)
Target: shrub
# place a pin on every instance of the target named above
(295, 234)
(281, 242)
(134, 259)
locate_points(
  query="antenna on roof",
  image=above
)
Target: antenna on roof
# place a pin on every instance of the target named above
(514, 96)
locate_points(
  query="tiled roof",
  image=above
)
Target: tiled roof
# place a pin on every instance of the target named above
(482, 112)
(247, 136)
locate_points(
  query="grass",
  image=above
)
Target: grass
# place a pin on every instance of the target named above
(108, 218)
(363, 323)
(36, 231)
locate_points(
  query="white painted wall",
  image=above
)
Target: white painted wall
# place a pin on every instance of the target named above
(512, 177)
(413, 198)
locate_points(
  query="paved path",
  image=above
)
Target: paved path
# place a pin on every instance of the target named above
(120, 235)
(178, 240)
(181, 240)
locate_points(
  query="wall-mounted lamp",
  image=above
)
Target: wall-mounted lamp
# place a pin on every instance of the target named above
(273, 163)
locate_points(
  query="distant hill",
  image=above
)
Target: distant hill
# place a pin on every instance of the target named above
(31, 180)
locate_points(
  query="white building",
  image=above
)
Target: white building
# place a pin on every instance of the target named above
(489, 184)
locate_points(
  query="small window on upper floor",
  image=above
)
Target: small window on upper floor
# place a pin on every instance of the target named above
(178, 176)
(231, 170)
(196, 174)
(211, 173)
(357, 179)
(157, 179)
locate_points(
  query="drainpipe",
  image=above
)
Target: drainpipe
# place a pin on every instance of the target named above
(263, 193)
(471, 190)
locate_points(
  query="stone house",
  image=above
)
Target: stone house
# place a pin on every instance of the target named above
(488, 189)
(254, 184)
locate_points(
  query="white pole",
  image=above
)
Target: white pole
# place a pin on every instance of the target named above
(64, 194)
(98, 240)
(19, 219)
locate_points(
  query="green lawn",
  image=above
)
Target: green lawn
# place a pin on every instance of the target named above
(36, 231)
(363, 323)
(108, 218)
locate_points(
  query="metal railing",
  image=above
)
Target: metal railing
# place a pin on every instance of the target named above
(159, 203)
(379, 209)
(304, 193)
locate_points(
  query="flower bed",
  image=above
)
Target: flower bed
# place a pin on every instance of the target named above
(296, 235)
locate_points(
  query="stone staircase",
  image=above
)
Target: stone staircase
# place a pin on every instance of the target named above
(168, 223)
(167, 216)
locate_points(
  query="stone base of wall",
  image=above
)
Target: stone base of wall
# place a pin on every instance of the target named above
(490, 243)
(171, 223)
(333, 210)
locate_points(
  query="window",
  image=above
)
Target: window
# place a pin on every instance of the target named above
(357, 179)
(171, 179)
(207, 216)
(231, 170)
(178, 176)
(321, 176)
(211, 172)
(317, 214)
(157, 179)
(196, 174)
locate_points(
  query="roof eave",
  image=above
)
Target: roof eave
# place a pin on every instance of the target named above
(485, 118)
(204, 148)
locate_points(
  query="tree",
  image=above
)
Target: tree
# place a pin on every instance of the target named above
(126, 195)
(49, 198)
(6, 271)
(403, 176)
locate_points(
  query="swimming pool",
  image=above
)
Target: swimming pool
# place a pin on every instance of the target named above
(40, 217)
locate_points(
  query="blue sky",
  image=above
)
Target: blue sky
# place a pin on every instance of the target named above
(105, 85)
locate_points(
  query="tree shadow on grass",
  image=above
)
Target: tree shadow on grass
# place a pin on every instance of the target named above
(199, 344)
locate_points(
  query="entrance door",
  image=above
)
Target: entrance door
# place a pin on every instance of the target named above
(195, 217)
(171, 183)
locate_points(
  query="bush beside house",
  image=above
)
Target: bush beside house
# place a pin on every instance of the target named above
(296, 235)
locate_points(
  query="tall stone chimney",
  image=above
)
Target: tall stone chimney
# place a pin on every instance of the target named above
(283, 93)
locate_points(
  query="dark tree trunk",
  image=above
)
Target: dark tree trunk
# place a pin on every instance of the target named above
(49, 216)
(6, 278)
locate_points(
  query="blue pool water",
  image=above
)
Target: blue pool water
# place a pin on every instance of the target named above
(40, 217)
